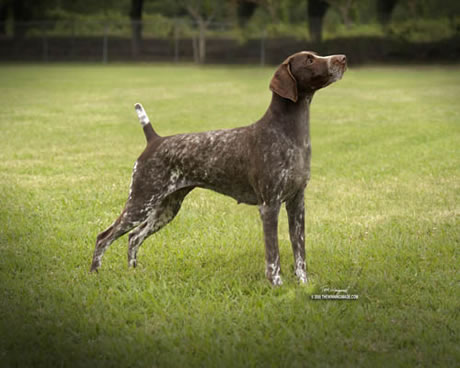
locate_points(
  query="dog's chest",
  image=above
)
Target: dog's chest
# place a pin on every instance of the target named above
(297, 167)
(286, 169)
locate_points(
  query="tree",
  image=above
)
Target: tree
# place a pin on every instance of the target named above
(136, 24)
(202, 12)
(273, 7)
(4, 9)
(344, 8)
(22, 11)
(316, 11)
(384, 10)
(245, 10)
(278, 10)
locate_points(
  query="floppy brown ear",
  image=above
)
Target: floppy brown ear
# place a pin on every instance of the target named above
(283, 82)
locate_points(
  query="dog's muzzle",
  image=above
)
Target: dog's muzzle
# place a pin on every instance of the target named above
(337, 64)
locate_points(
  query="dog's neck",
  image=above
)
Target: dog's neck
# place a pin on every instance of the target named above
(292, 117)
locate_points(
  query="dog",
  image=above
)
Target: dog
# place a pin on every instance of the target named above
(264, 164)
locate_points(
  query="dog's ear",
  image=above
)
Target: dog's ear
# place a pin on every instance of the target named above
(283, 82)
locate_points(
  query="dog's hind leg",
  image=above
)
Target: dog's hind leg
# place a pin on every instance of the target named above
(123, 224)
(157, 218)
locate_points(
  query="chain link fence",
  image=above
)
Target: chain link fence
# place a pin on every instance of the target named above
(106, 41)
(179, 41)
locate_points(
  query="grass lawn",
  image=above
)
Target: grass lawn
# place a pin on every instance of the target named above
(382, 220)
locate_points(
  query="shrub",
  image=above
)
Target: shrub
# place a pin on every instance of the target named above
(424, 30)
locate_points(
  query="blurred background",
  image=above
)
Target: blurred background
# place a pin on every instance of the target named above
(228, 31)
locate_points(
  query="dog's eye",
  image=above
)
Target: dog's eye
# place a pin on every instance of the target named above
(309, 60)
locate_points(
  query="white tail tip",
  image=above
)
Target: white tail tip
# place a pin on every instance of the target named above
(141, 114)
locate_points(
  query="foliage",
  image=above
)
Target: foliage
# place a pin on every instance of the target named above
(339, 30)
(413, 20)
(426, 9)
(261, 24)
(423, 30)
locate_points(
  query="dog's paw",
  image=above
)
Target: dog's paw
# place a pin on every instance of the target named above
(301, 276)
(303, 280)
(276, 280)
(132, 263)
(272, 272)
(94, 267)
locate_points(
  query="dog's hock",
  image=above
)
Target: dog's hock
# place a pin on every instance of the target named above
(141, 114)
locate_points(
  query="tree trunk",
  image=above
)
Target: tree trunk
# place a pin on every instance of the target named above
(203, 24)
(202, 42)
(273, 10)
(3, 16)
(136, 25)
(384, 10)
(195, 49)
(245, 10)
(345, 13)
(21, 16)
(412, 7)
(346, 16)
(316, 11)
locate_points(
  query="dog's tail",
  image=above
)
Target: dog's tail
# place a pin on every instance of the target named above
(145, 122)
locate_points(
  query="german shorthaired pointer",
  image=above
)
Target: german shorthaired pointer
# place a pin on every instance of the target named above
(264, 164)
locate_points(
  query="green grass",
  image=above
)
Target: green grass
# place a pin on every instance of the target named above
(382, 220)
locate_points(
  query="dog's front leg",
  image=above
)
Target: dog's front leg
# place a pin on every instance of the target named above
(295, 208)
(269, 215)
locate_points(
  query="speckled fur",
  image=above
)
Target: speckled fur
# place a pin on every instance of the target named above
(265, 164)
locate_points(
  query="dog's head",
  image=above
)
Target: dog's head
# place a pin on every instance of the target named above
(305, 72)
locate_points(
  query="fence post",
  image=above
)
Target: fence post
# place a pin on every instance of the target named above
(44, 44)
(176, 42)
(195, 48)
(105, 44)
(262, 48)
(72, 50)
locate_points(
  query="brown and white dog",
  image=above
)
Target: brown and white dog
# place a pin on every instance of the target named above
(264, 164)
